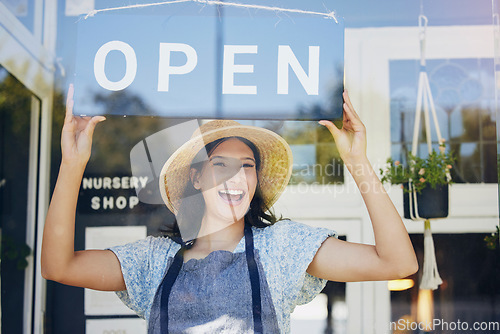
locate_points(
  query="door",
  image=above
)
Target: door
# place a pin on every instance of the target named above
(19, 122)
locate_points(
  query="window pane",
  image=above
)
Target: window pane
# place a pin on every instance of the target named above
(464, 102)
(24, 11)
(470, 292)
(315, 155)
(15, 117)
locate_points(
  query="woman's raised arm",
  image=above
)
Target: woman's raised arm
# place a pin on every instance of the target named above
(392, 256)
(95, 269)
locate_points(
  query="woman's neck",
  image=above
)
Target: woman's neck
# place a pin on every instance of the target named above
(216, 235)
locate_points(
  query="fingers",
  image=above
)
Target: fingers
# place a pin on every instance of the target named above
(350, 113)
(69, 104)
(348, 102)
(330, 126)
(89, 129)
(348, 105)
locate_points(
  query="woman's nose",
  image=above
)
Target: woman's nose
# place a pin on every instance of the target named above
(239, 175)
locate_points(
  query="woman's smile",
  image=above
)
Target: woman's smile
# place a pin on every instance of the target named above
(228, 181)
(232, 197)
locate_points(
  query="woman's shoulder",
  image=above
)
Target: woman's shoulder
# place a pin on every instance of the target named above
(149, 245)
(290, 234)
(152, 241)
(287, 226)
(164, 243)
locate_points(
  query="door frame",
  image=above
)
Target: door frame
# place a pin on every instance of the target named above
(29, 56)
(367, 79)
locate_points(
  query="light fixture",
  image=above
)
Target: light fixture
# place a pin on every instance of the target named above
(400, 284)
(425, 309)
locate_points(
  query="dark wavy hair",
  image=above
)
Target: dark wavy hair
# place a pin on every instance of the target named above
(192, 207)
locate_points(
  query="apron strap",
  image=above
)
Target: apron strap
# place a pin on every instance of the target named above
(175, 268)
(168, 282)
(254, 280)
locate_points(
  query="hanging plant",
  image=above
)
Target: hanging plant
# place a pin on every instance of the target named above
(427, 179)
(426, 172)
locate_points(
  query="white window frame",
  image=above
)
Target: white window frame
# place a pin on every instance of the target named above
(473, 207)
(368, 51)
(29, 56)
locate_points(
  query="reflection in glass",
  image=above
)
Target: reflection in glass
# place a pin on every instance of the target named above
(23, 10)
(15, 117)
(470, 291)
(464, 97)
(315, 155)
(496, 50)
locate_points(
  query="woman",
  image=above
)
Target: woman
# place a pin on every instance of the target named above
(234, 268)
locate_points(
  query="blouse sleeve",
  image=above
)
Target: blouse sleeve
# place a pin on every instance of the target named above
(135, 261)
(297, 247)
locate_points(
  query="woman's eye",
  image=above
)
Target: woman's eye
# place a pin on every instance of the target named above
(219, 164)
(248, 165)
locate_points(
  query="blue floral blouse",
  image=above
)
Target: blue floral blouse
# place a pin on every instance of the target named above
(286, 249)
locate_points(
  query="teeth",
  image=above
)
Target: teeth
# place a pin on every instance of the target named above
(232, 192)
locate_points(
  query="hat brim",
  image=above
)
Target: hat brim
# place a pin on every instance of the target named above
(273, 175)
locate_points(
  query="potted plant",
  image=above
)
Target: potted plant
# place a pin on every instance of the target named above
(425, 183)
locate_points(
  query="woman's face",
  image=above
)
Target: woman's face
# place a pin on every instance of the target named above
(228, 180)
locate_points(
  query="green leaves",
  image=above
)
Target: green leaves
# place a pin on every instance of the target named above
(492, 240)
(395, 172)
(14, 251)
(422, 172)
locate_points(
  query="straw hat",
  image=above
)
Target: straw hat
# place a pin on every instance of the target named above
(275, 155)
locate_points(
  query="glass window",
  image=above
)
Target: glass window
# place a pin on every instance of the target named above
(316, 159)
(24, 10)
(469, 295)
(15, 127)
(464, 98)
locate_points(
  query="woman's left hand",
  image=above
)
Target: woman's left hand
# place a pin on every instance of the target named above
(392, 256)
(351, 139)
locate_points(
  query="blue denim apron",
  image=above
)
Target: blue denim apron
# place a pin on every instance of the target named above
(224, 292)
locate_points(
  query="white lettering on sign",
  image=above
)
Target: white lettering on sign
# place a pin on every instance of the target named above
(110, 202)
(229, 68)
(165, 68)
(100, 64)
(310, 81)
(112, 183)
(286, 60)
(106, 182)
(124, 182)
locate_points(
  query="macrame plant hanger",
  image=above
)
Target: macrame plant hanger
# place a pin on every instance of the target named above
(430, 277)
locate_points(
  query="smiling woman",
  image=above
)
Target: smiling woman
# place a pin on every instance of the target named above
(229, 265)
(227, 182)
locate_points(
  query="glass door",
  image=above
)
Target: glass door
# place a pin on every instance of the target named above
(19, 119)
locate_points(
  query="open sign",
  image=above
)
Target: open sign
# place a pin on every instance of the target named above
(211, 67)
(286, 60)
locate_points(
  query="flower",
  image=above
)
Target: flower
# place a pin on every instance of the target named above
(430, 171)
(442, 142)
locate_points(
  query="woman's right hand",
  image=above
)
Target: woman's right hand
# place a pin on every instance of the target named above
(76, 137)
(94, 269)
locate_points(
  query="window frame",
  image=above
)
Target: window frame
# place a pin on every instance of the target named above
(29, 56)
(473, 207)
